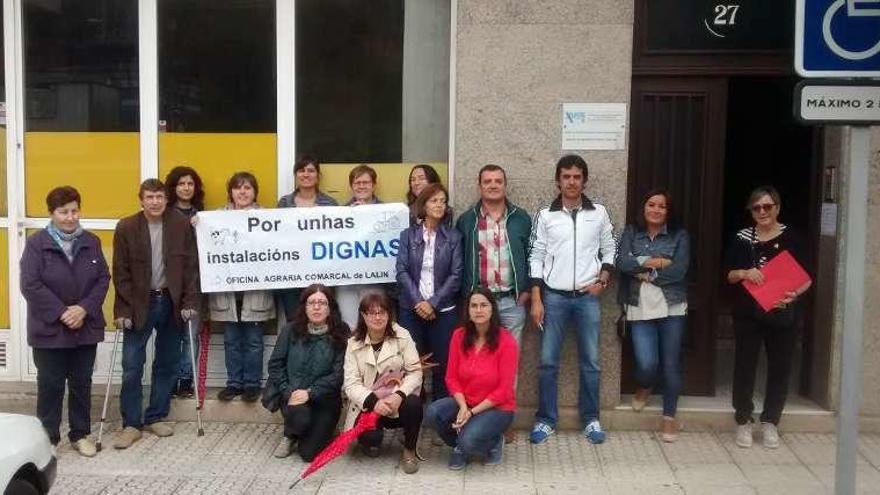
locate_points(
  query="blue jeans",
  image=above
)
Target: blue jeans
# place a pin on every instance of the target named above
(185, 372)
(583, 313)
(512, 316)
(477, 436)
(657, 346)
(432, 336)
(166, 358)
(243, 343)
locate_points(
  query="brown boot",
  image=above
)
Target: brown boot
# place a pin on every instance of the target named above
(669, 430)
(641, 398)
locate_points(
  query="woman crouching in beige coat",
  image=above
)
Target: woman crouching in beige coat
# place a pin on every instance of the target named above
(383, 374)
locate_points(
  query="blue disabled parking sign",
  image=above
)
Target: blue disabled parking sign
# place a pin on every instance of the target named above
(837, 38)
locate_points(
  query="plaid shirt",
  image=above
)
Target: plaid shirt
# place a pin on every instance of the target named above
(495, 271)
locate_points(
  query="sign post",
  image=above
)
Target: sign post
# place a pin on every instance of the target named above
(841, 39)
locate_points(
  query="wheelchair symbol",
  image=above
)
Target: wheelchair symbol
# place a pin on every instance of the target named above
(854, 8)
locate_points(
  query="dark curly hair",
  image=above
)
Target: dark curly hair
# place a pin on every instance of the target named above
(174, 176)
(336, 328)
(470, 330)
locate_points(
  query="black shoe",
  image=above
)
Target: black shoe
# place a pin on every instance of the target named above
(185, 388)
(251, 394)
(370, 451)
(228, 393)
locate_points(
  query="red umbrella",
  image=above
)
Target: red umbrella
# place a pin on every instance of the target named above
(204, 341)
(366, 422)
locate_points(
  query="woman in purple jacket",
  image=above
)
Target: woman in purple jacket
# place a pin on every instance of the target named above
(64, 279)
(429, 266)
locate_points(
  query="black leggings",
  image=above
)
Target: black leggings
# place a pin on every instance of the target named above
(409, 417)
(312, 424)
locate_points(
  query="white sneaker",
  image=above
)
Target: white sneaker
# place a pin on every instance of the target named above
(771, 435)
(744, 435)
(85, 447)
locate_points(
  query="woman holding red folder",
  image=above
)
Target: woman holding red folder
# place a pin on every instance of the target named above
(750, 249)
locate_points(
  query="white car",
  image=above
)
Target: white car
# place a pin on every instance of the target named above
(27, 458)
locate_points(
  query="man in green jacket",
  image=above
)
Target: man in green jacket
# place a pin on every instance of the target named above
(496, 233)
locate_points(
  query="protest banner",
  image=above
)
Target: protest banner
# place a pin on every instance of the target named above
(279, 248)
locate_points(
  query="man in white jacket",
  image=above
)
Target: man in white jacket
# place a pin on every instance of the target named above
(571, 260)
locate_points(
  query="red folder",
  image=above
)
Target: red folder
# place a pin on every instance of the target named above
(781, 274)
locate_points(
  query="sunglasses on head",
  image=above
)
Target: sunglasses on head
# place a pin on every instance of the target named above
(762, 207)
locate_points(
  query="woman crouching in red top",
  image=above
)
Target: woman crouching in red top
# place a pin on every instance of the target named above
(480, 376)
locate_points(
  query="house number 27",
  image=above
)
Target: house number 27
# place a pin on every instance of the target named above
(725, 15)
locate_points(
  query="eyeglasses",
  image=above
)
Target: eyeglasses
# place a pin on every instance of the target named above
(376, 314)
(317, 304)
(757, 208)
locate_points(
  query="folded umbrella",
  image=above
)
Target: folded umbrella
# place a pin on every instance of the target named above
(204, 341)
(366, 422)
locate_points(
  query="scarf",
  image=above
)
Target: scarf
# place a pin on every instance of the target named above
(64, 240)
(318, 329)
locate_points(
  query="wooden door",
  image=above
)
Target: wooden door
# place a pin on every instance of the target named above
(677, 143)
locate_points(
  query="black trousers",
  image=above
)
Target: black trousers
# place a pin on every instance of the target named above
(55, 369)
(409, 417)
(778, 341)
(312, 424)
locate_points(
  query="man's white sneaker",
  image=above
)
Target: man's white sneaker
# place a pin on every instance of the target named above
(744, 435)
(771, 435)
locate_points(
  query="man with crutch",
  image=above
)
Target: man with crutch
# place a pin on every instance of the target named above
(155, 273)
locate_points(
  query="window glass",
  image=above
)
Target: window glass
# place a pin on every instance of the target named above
(3, 196)
(372, 86)
(217, 65)
(4, 278)
(349, 79)
(217, 92)
(81, 103)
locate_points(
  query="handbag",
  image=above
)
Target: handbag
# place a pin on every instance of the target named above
(624, 327)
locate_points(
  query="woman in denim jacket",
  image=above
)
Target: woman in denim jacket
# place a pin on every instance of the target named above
(429, 267)
(653, 260)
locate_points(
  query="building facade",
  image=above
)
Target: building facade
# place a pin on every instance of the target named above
(101, 94)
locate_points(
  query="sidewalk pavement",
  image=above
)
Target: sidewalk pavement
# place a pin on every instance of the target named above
(237, 458)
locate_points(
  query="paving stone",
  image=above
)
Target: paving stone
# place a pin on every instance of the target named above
(566, 457)
(500, 485)
(812, 448)
(624, 488)
(696, 448)
(869, 448)
(709, 474)
(757, 454)
(237, 459)
(715, 489)
(563, 486)
(784, 475)
(265, 485)
(634, 457)
(867, 476)
(143, 485)
(81, 484)
(214, 485)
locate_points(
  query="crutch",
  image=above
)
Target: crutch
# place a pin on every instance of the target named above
(195, 371)
(107, 392)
